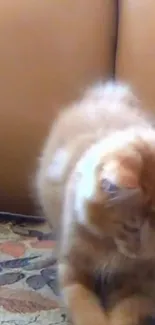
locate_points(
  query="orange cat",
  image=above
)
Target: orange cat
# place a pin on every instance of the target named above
(96, 182)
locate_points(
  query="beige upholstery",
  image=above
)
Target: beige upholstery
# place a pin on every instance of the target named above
(135, 61)
(48, 51)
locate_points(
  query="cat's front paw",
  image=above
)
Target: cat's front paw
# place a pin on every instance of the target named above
(135, 310)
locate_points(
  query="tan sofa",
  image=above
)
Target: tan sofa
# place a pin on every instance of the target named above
(48, 51)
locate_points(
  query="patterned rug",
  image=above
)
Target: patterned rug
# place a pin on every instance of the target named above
(28, 284)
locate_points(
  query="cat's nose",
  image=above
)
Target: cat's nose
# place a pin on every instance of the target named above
(136, 219)
(135, 222)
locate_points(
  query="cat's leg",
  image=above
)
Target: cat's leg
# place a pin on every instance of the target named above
(81, 302)
(135, 310)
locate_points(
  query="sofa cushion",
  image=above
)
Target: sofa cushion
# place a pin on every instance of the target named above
(135, 62)
(48, 51)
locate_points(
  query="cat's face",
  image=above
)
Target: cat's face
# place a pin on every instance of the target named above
(124, 199)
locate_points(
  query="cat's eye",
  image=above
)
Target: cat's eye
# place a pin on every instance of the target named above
(109, 186)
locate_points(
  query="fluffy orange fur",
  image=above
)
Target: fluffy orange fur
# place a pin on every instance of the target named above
(96, 182)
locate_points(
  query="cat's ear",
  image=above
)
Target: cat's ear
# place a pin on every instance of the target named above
(116, 194)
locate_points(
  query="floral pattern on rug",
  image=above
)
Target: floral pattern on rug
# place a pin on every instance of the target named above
(28, 273)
